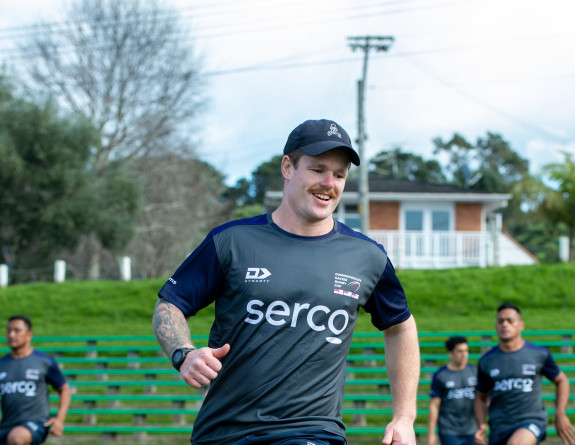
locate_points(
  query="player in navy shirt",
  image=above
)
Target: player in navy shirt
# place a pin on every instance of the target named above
(25, 375)
(452, 396)
(509, 386)
(288, 287)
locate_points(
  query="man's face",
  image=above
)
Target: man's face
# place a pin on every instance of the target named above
(509, 325)
(459, 355)
(17, 334)
(314, 188)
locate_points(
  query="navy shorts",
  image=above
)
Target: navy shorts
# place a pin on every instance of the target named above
(501, 437)
(38, 430)
(456, 439)
(300, 437)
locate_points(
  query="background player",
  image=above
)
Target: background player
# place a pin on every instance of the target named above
(509, 382)
(452, 396)
(25, 374)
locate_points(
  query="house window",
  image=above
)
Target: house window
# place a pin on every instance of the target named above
(414, 220)
(428, 230)
(439, 221)
(349, 215)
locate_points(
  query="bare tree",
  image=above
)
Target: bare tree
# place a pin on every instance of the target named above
(181, 203)
(128, 65)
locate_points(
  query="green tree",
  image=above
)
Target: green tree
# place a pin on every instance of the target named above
(461, 155)
(499, 165)
(491, 165)
(267, 176)
(558, 203)
(401, 165)
(44, 204)
(130, 67)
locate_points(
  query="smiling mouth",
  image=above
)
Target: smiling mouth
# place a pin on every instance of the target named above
(322, 197)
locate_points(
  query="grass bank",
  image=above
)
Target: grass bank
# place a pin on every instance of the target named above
(441, 300)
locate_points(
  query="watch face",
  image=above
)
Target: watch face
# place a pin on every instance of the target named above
(177, 356)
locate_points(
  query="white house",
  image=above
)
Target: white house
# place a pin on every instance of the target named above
(427, 226)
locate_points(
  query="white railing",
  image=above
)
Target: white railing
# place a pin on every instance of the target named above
(435, 250)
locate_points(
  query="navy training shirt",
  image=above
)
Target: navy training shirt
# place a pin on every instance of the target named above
(24, 387)
(456, 389)
(513, 380)
(287, 305)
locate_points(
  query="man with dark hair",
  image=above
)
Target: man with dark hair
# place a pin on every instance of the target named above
(509, 387)
(25, 374)
(287, 288)
(452, 395)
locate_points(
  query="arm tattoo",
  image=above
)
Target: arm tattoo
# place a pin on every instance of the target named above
(171, 327)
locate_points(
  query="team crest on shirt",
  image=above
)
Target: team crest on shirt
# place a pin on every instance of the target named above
(449, 384)
(32, 374)
(346, 285)
(472, 381)
(3, 375)
(494, 372)
(528, 369)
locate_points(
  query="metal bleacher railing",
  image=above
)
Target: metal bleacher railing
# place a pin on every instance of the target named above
(124, 385)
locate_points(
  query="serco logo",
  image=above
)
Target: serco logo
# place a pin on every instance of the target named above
(523, 385)
(21, 387)
(319, 318)
(461, 393)
(257, 274)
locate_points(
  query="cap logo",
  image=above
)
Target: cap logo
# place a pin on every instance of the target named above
(334, 130)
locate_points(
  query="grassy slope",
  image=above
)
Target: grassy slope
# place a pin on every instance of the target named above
(441, 300)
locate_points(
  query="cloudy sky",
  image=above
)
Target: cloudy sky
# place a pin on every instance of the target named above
(466, 66)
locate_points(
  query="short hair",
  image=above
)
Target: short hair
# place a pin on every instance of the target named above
(295, 156)
(452, 342)
(508, 305)
(25, 319)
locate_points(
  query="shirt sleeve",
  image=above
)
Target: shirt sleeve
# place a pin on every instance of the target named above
(197, 282)
(387, 304)
(54, 376)
(550, 368)
(435, 390)
(484, 381)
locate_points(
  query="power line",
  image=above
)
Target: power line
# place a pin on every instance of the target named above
(517, 120)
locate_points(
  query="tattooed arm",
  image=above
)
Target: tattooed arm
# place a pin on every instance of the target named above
(171, 327)
(172, 331)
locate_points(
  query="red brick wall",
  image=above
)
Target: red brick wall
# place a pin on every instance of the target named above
(467, 217)
(384, 215)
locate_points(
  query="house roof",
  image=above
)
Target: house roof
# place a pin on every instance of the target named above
(385, 189)
(390, 185)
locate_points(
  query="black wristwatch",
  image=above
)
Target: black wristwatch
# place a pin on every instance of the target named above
(179, 355)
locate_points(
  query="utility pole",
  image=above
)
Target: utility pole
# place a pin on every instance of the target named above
(365, 43)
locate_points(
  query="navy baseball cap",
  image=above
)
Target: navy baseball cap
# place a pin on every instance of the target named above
(315, 137)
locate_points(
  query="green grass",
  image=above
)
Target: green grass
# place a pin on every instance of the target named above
(441, 300)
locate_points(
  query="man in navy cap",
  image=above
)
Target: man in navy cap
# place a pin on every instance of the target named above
(287, 288)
